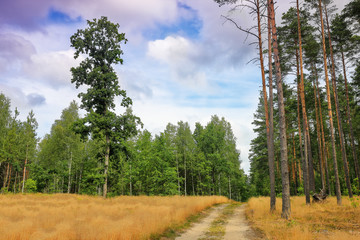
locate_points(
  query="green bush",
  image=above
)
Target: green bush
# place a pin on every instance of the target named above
(30, 186)
(300, 190)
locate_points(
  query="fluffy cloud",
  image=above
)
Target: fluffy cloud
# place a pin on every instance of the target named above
(182, 56)
(52, 68)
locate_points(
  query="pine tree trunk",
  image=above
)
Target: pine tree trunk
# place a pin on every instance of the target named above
(297, 172)
(308, 154)
(271, 148)
(304, 159)
(286, 209)
(106, 167)
(270, 162)
(352, 138)
(322, 133)
(294, 169)
(321, 162)
(337, 182)
(339, 121)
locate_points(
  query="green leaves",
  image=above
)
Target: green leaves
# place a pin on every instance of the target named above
(101, 43)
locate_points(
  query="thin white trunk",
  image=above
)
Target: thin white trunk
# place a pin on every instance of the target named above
(130, 179)
(69, 182)
(24, 173)
(229, 188)
(178, 175)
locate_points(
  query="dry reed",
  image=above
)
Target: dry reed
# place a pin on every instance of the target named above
(65, 216)
(324, 220)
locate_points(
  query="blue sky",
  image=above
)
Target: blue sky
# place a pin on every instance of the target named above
(182, 61)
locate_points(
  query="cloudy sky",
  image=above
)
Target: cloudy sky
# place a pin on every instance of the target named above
(182, 61)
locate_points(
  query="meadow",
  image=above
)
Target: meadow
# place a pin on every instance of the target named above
(324, 220)
(67, 216)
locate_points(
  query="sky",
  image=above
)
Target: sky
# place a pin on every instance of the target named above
(182, 61)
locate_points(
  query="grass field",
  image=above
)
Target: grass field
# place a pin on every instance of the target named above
(64, 216)
(318, 221)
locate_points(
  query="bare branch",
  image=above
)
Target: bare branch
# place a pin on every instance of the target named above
(248, 31)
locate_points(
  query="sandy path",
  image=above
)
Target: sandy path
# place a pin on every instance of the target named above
(199, 229)
(238, 227)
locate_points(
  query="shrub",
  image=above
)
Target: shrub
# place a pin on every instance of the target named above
(30, 186)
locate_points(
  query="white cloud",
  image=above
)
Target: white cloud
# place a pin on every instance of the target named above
(182, 56)
(173, 49)
(52, 68)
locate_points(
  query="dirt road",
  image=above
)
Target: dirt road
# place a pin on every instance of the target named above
(233, 226)
(199, 229)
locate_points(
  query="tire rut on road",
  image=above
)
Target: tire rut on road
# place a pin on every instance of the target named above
(236, 226)
(199, 229)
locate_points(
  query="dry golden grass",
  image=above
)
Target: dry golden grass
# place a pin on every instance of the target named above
(64, 216)
(316, 221)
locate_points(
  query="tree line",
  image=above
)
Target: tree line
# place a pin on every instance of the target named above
(177, 161)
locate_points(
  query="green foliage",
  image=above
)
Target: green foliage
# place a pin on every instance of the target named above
(352, 10)
(17, 145)
(354, 187)
(300, 190)
(354, 202)
(30, 186)
(100, 41)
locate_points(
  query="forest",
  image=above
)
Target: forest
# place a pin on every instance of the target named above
(177, 161)
(307, 123)
(308, 140)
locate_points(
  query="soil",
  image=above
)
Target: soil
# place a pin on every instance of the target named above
(237, 227)
(199, 229)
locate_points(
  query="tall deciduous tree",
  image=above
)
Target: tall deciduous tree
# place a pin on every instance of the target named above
(100, 41)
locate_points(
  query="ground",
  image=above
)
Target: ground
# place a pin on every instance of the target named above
(224, 221)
